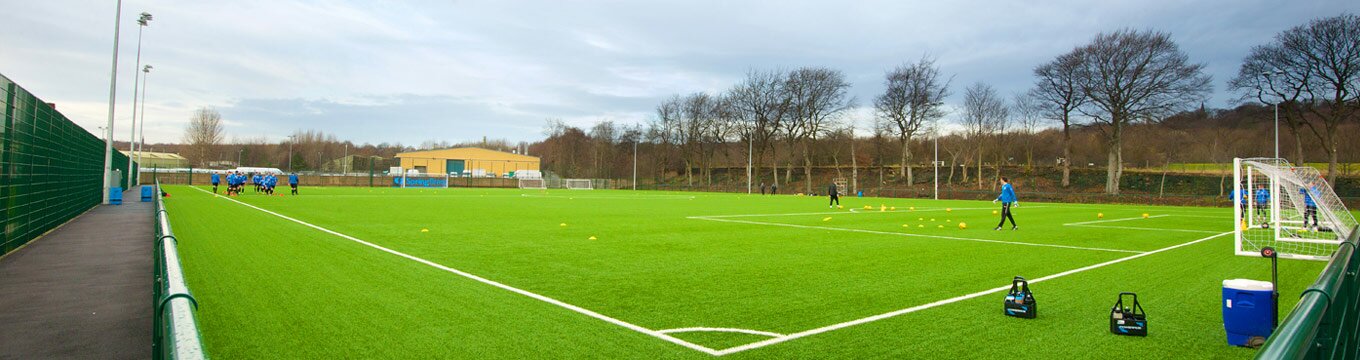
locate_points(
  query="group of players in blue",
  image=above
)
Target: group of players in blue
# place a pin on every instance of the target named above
(1262, 199)
(263, 183)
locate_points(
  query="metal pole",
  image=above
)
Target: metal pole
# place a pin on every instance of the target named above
(750, 149)
(1277, 129)
(141, 137)
(345, 165)
(635, 143)
(937, 161)
(238, 157)
(132, 137)
(290, 154)
(113, 92)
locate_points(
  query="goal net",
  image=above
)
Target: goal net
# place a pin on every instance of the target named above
(409, 180)
(1289, 208)
(578, 184)
(533, 184)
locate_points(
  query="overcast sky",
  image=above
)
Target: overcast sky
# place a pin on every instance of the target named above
(385, 71)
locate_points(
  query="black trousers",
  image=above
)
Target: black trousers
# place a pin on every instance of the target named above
(294, 186)
(214, 188)
(1310, 210)
(1006, 214)
(835, 199)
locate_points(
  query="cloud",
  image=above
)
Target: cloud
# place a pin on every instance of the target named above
(414, 71)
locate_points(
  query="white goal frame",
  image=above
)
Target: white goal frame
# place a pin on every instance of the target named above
(533, 183)
(1285, 225)
(578, 184)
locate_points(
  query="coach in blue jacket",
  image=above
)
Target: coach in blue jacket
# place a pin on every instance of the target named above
(1007, 199)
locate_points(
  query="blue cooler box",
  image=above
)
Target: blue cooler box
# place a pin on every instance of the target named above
(1248, 310)
(116, 195)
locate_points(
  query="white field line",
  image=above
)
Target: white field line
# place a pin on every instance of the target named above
(886, 315)
(1113, 220)
(851, 210)
(729, 330)
(912, 235)
(1147, 228)
(542, 298)
(623, 197)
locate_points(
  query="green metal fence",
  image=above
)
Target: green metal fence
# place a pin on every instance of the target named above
(1326, 322)
(50, 168)
(176, 329)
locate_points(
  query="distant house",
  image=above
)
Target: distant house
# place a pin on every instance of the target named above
(467, 161)
(159, 160)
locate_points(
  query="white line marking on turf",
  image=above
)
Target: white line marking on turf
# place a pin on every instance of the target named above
(1113, 220)
(1147, 228)
(913, 235)
(886, 315)
(622, 197)
(730, 330)
(852, 210)
(542, 298)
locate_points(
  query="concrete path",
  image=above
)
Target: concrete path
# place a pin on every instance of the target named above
(83, 291)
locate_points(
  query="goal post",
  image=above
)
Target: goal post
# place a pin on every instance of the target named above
(533, 184)
(578, 184)
(1289, 208)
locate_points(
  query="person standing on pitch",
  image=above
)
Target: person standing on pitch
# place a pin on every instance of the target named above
(293, 182)
(1262, 204)
(762, 188)
(835, 195)
(1007, 199)
(774, 188)
(215, 180)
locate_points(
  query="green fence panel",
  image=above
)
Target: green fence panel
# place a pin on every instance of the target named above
(1326, 322)
(50, 168)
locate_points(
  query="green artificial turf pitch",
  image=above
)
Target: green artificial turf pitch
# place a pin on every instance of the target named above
(783, 276)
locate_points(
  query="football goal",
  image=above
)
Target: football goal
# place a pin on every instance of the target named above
(1289, 208)
(578, 184)
(533, 184)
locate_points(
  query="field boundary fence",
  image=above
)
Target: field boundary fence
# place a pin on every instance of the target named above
(51, 170)
(175, 332)
(1325, 324)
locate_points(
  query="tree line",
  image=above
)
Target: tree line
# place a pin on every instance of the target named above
(1125, 98)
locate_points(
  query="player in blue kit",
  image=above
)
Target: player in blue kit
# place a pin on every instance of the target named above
(1007, 199)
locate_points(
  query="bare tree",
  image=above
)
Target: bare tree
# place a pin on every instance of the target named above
(1327, 54)
(819, 96)
(762, 104)
(1132, 76)
(1027, 111)
(1262, 78)
(1058, 90)
(984, 115)
(205, 131)
(913, 95)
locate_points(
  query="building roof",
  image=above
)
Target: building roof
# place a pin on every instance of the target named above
(154, 155)
(468, 153)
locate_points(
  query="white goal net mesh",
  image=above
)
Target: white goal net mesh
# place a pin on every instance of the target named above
(578, 184)
(1290, 208)
(533, 184)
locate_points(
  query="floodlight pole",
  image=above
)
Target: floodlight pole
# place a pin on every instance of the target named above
(635, 144)
(291, 140)
(936, 161)
(1270, 80)
(132, 137)
(113, 92)
(854, 163)
(344, 164)
(141, 137)
(750, 150)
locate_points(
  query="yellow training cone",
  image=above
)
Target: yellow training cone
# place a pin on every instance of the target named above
(913, 208)
(592, 238)
(963, 225)
(1145, 215)
(941, 226)
(828, 218)
(894, 208)
(921, 225)
(948, 210)
(562, 224)
(994, 212)
(424, 230)
(1100, 215)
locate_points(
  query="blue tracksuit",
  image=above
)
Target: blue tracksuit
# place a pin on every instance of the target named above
(292, 180)
(1007, 194)
(1262, 196)
(216, 179)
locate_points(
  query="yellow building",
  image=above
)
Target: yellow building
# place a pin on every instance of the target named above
(473, 161)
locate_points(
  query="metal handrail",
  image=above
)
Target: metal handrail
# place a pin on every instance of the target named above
(176, 334)
(1322, 325)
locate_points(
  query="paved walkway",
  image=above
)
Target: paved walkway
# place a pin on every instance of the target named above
(82, 291)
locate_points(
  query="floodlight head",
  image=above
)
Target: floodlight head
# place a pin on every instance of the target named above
(144, 19)
(146, 69)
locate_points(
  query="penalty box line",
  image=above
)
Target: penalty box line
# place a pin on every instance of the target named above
(559, 303)
(776, 340)
(1020, 243)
